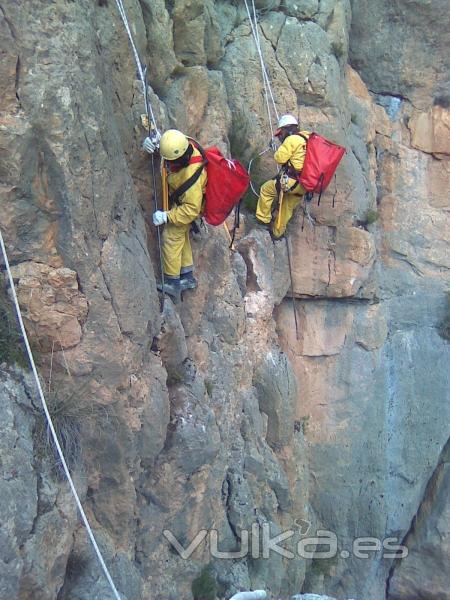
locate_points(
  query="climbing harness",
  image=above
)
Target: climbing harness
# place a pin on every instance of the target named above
(52, 427)
(152, 133)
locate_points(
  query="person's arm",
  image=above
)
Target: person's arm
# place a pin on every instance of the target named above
(285, 151)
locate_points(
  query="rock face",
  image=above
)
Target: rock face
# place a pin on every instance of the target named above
(423, 574)
(229, 419)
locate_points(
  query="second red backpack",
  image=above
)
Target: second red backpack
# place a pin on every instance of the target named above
(321, 161)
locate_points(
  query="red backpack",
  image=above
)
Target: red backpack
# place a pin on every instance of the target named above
(227, 182)
(321, 161)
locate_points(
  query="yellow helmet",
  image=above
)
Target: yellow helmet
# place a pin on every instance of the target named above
(173, 144)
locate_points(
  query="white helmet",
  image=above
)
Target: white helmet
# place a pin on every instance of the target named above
(284, 121)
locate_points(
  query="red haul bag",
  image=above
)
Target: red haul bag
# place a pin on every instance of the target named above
(321, 161)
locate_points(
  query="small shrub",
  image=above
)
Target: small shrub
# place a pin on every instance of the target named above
(371, 217)
(322, 567)
(209, 385)
(70, 412)
(338, 48)
(302, 424)
(239, 137)
(174, 376)
(11, 350)
(204, 587)
(249, 201)
(66, 421)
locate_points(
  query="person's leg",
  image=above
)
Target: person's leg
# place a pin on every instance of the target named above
(267, 195)
(289, 204)
(173, 242)
(187, 260)
(187, 279)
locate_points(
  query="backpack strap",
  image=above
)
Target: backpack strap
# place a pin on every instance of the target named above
(176, 195)
(291, 170)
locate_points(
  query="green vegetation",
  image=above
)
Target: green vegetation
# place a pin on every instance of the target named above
(11, 350)
(338, 48)
(66, 416)
(204, 587)
(174, 376)
(239, 136)
(209, 385)
(302, 424)
(71, 412)
(322, 567)
(371, 217)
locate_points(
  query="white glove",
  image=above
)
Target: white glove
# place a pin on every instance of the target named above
(159, 217)
(151, 143)
(256, 595)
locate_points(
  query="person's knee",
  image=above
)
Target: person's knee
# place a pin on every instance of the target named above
(268, 187)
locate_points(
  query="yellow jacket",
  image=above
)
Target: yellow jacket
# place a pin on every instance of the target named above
(293, 149)
(191, 202)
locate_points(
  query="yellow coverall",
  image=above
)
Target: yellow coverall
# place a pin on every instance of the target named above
(293, 149)
(176, 246)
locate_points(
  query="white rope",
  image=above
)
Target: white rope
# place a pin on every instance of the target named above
(51, 426)
(252, 187)
(265, 77)
(141, 72)
(263, 66)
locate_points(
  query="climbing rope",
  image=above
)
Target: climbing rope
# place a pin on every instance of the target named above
(142, 72)
(51, 426)
(268, 94)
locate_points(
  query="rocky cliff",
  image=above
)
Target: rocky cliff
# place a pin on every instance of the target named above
(213, 415)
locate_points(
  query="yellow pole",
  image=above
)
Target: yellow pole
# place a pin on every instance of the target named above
(225, 226)
(280, 205)
(165, 187)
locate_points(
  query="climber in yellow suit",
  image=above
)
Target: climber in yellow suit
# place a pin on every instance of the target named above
(182, 160)
(290, 156)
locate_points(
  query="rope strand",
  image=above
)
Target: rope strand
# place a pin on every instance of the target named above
(141, 70)
(150, 117)
(268, 94)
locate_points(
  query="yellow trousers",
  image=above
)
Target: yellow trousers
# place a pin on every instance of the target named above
(291, 200)
(176, 249)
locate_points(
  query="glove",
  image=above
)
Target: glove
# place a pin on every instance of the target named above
(159, 217)
(151, 143)
(273, 144)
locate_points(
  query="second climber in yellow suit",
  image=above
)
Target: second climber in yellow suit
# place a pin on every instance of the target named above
(290, 156)
(182, 160)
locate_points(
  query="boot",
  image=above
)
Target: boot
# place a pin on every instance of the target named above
(187, 281)
(171, 287)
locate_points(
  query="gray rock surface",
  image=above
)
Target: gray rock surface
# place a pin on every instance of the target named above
(407, 57)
